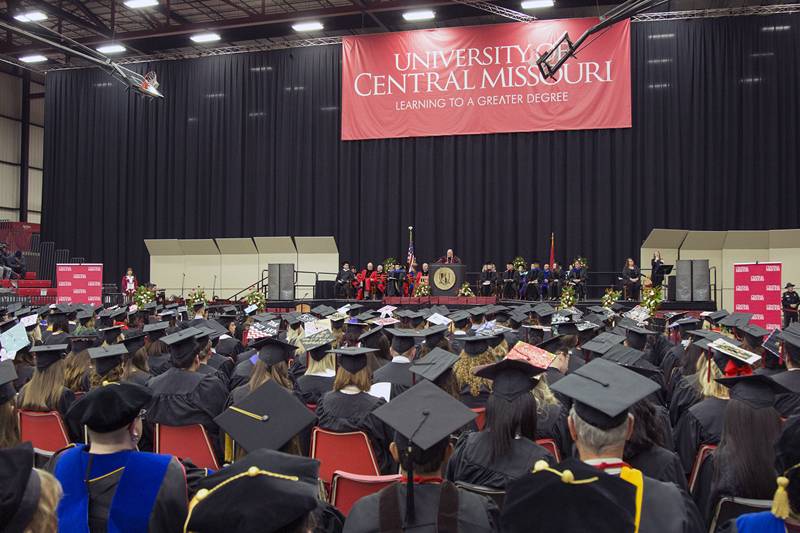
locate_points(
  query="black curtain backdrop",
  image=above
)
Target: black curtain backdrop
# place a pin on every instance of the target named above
(248, 145)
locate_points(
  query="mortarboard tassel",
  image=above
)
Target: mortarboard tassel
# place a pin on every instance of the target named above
(780, 501)
(410, 487)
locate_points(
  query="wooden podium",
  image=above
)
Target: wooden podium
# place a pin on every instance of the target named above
(446, 279)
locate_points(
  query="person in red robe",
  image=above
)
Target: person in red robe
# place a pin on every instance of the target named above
(378, 283)
(424, 274)
(410, 281)
(364, 279)
(128, 285)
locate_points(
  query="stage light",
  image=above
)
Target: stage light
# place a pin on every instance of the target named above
(537, 4)
(111, 49)
(31, 16)
(206, 37)
(308, 26)
(422, 14)
(136, 4)
(35, 58)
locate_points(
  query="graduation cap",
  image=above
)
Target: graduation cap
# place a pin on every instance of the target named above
(725, 354)
(736, 320)
(366, 315)
(134, 340)
(79, 343)
(110, 334)
(156, 330)
(511, 377)
(8, 374)
(272, 350)
(631, 359)
(267, 418)
(182, 344)
(477, 312)
(84, 316)
(118, 314)
(351, 310)
(434, 335)
(423, 416)
(569, 327)
(321, 310)
(434, 364)
(106, 358)
(596, 346)
(110, 407)
(754, 334)
(416, 318)
(459, 318)
(604, 391)
(517, 318)
(356, 326)
(337, 319)
(716, 316)
(756, 390)
(402, 339)
(371, 337)
(233, 498)
(790, 338)
(354, 358)
(493, 337)
(47, 354)
(543, 310)
(203, 335)
(7, 325)
(637, 335)
(475, 345)
(553, 344)
(198, 304)
(318, 344)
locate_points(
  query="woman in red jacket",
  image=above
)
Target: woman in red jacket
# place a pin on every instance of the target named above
(129, 285)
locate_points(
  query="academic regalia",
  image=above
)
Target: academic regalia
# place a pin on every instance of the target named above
(701, 424)
(242, 372)
(684, 396)
(532, 284)
(661, 464)
(788, 404)
(510, 281)
(58, 337)
(471, 462)
(159, 363)
(341, 412)
(139, 378)
(398, 374)
(229, 347)
(24, 375)
(551, 423)
(182, 398)
(475, 514)
(312, 388)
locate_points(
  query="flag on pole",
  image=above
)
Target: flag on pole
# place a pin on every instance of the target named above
(552, 249)
(410, 258)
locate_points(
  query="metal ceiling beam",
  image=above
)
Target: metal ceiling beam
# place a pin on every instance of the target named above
(93, 18)
(69, 17)
(373, 16)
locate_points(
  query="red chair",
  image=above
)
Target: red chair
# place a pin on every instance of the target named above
(186, 442)
(347, 489)
(702, 454)
(481, 420)
(350, 452)
(550, 446)
(45, 430)
(312, 407)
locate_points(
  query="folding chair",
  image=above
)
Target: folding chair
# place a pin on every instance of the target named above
(45, 430)
(349, 452)
(347, 488)
(190, 442)
(702, 454)
(731, 507)
(495, 494)
(481, 420)
(550, 446)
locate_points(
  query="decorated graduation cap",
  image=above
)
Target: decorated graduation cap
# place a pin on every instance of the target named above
(233, 498)
(110, 407)
(475, 345)
(182, 344)
(106, 358)
(337, 320)
(354, 358)
(434, 364)
(604, 391)
(268, 418)
(402, 339)
(756, 390)
(569, 497)
(110, 334)
(8, 374)
(79, 343)
(47, 354)
(730, 358)
(272, 350)
(510, 378)
(423, 417)
(318, 344)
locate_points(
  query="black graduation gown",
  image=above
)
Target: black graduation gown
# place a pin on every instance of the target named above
(139, 378)
(222, 363)
(342, 413)
(24, 375)
(51, 338)
(182, 398)
(551, 423)
(456, 344)
(671, 359)
(471, 461)
(684, 395)
(510, 281)
(396, 373)
(169, 509)
(159, 364)
(474, 402)
(209, 370)
(312, 388)
(661, 464)
(241, 374)
(229, 347)
(701, 424)
(476, 514)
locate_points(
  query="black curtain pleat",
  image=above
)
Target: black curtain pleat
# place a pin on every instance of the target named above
(249, 145)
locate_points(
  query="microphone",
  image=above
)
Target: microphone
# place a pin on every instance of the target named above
(182, 282)
(214, 287)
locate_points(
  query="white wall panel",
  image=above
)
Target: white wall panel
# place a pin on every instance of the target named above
(9, 140)
(8, 214)
(10, 89)
(9, 186)
(34, 190)
(36, 147)
(37, 105)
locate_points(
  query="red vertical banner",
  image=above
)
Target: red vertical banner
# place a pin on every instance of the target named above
(80, 283)
(757, 290)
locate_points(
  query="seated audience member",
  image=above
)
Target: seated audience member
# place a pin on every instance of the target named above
(9, 430)
(271, 363)
(474, 389)
(232, 499)
(424, 417)
(600, 423)
(785, 513)
(645, 449)
(321, 370)
(788, 404)
(551, 416)
(46, 391)
(28, 496)
(375, 338)
(78, 363)
(57, 328)
(742, 464)
(181, 395)
(348, 407)
(109, 485)
(158, 359)
(396, 375)
(135, 368)
(505, 449)
(203, 339)
(106, 364)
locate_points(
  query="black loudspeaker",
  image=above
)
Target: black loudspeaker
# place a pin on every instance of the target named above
(683, 280)
(670, 289)
(701, 281)
(280, 285)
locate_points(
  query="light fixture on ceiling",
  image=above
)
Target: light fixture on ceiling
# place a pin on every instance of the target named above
(209, 37)
(311, 25)
(420, 14)
(35, 58)
(537, 4)
(111, 49)
(31, 16)
(137, 4)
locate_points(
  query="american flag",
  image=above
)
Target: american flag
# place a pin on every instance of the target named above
(410, 259)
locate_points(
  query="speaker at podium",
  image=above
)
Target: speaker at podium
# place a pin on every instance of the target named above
(446, 279)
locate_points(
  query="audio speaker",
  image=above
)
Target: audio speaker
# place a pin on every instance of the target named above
(701, 281)
(280, 285)
(683, 280)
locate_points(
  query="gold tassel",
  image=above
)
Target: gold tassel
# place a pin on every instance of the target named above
(780, 501)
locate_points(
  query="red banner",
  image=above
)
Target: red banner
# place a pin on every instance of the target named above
(80, 283)
(483, 79)
(757, 290)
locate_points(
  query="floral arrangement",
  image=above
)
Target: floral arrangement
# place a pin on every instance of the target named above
(518, 262)
(257, 298)
(389, 263)
(196, 296)
(610, 297)
(652, 298)
(422, 289)
(466, 290)
(567, 297)
(143, 295)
